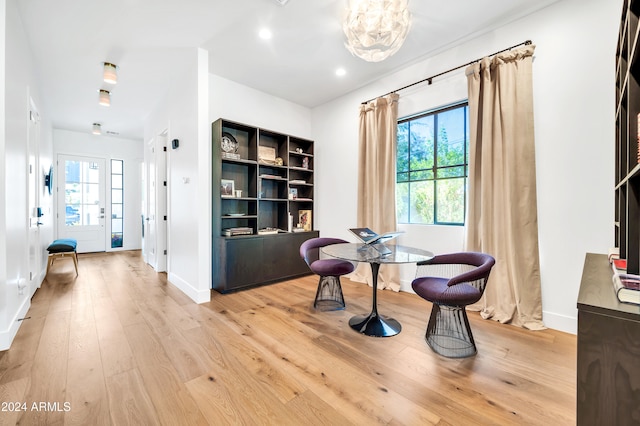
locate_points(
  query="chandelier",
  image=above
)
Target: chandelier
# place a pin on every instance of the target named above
(376, 29)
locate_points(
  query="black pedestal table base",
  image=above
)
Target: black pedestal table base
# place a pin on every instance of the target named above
(375, 324)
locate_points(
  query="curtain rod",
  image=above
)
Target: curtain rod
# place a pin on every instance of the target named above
(429, 79)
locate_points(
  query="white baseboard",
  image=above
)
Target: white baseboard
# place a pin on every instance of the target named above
(7, 336)
(560, 322)
(551, 320)
(198, 296)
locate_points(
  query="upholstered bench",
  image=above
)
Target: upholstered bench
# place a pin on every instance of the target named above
(63, 248)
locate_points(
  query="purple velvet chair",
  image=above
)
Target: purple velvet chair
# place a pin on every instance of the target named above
(451, 282)
(329, 294)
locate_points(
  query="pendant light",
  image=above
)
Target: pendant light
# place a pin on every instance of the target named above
(376, 29)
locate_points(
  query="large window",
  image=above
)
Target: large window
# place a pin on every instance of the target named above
(432, 158)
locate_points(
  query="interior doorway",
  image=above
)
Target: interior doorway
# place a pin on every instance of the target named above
(155, 203)
(34, 185)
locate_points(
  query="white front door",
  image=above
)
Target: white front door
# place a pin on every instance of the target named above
(81, 201)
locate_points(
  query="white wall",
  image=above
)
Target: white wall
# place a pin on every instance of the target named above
(66, 142)
(189, 205)
(235, 102)
(574, 124)
(19, 83)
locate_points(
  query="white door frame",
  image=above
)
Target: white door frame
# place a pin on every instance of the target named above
(155, 205)
(34, 181)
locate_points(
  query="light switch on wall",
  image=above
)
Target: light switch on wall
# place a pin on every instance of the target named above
(186, 180)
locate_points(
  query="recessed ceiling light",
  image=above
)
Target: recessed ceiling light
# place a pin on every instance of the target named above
(96, 129)
(341, 72)
(265, 34)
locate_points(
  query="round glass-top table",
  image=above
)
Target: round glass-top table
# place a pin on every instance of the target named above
(375, 324)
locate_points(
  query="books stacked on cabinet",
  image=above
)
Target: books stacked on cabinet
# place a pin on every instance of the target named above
(626, 286)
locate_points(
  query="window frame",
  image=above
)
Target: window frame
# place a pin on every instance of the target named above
(435, 168)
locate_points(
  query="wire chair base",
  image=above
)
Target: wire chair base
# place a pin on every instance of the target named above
(448, 332)
(329, 295)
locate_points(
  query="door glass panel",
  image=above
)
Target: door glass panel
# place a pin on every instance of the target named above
(82, 193)
(117, 190)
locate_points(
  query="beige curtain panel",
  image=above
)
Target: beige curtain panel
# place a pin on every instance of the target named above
(502, 212)
(377, 180)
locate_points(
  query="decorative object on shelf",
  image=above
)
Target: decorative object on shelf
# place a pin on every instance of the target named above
(238, 193)
(268, 231)
(278, 161)
(305, 163)
(299, 150)
(232, 232)
(267, 154)
(293, 193)
(227, 188)
(229, 146)
(304, 219)
(235, 214)
(376, 29)
(48, 180)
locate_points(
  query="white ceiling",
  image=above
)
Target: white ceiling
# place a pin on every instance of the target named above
(149, 39)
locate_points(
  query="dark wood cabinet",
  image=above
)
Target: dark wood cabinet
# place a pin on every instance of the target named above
(608, 362)
(260, 178)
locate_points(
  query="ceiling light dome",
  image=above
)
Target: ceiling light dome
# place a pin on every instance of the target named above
(110, 73)
(376, 29)
(105, 98)
(96, 129)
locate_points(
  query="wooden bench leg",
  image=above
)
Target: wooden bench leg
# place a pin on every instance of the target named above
(75, 261)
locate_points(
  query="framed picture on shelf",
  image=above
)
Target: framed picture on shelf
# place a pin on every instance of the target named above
(227, 188)
(293, 193)
(304, 219)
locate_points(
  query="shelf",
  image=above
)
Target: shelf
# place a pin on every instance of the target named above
(270, 177)
(633, 173)
(301, 169)
(301, 154)
(273, 199)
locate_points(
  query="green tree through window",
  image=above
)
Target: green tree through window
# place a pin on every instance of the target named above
(431, 165)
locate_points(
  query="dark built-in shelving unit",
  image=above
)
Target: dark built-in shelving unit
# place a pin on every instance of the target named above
(242, 261)
(627, 170)
(608, 358)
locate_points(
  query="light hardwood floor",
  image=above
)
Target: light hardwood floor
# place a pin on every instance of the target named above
(119, 345)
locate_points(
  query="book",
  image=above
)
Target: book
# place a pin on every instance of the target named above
(304, 219)
(367, 236)
(620, 264)
(626, 290)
